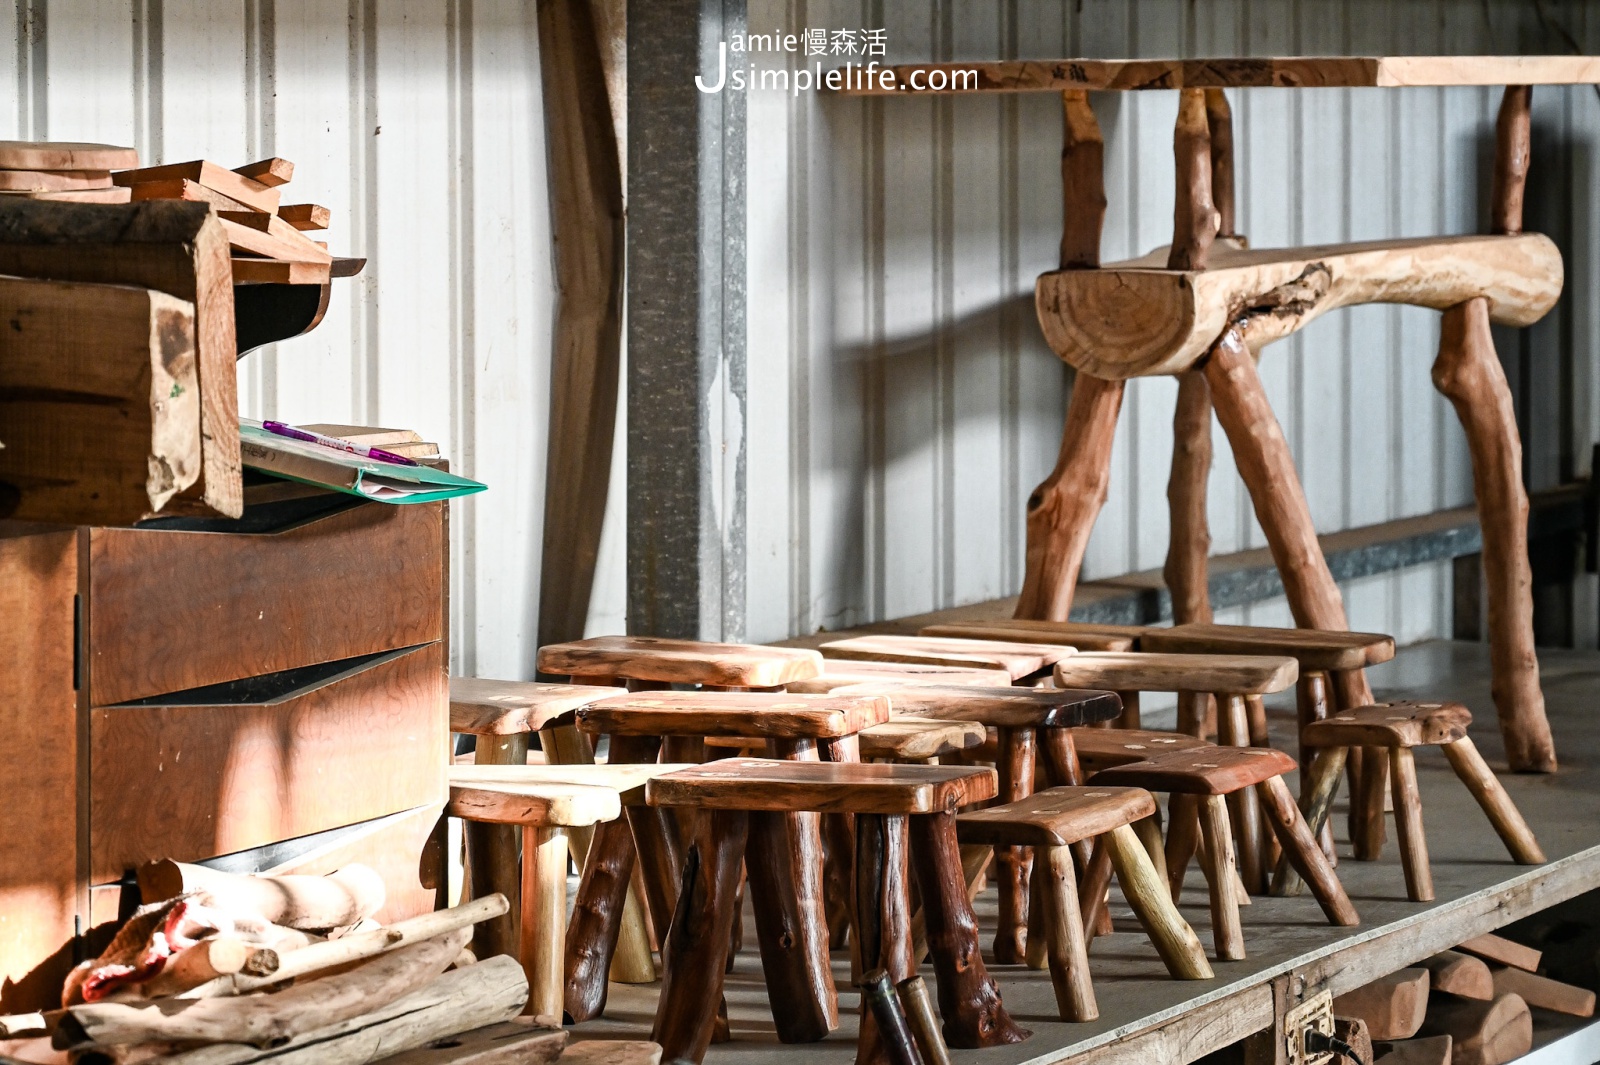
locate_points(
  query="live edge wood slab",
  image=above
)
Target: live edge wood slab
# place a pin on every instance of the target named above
(1145, 1016)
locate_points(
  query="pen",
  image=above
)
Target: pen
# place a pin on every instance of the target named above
(380, 455)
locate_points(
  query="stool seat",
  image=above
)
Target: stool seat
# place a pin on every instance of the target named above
(1100, 748)
(1082, 635)
(997, 707)
(912, 739)
(480, 707)
(1018, 659)
(772, 715)
(759, 784)
(550, 805)
(727, 665)
(1056, 817)
(838, 672)
(1398, 724)
(1200, 770)
(1314, 649)
(1144, 671)
(627, 780)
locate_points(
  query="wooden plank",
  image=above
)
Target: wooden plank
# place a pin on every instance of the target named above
(184, 189)
(65, 155)
(1056, 817)
(217, 178)
(53, 180)
(269, 172)
(176, 248)
(269, 235)
(627, 779)
(1150, 671)
(170, 610)
(278, 272)
(838, 672)
(213, 779)
(1502, 951)
(99, 401)
(305, 216)
(39, 761)
(1003, 707)
(110, 194)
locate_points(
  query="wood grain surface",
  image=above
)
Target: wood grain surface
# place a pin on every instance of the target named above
(997, 707)
(783, 715)
(531, 803)
(175, 610)
(1020, 660)
(1098, 748)
(1200, 770)
(1056, 817)
(1084, 636)
(1145, 671)
(1314, 649)
(913, 739)
(65, 155)
(509, 707)
(726, 665)
(210, 780)
(838, 672)
(828, 787)
(1397, 724)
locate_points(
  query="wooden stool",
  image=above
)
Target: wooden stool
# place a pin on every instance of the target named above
(890, 803)
(919, 739)
(837, 672)
(1205, 775)
(1020, 660)
(1021, 715)
(1085, 636)
(1330, 664)
(662, 661)
(1396, 728)
(786, 868)
(1051, 821)
(546, 803)
(1100, 748)
(502, 714)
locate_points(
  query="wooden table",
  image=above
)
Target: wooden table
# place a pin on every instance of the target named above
(1202, 309)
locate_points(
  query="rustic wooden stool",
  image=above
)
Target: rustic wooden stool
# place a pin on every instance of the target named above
(838, 672)
(1330, 667)
(663, 661)
(1051, 821)
(890, 803)
(922, 740)
(1021, 716)
(1021, 660)
(1100, 748)
(1205, 775)
(786, 868)
(1085, 636)
(502, 714)
(1396, 728)
(546, 803)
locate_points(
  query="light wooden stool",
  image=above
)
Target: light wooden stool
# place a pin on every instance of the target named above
(1204, 776)
(1051, 821)
(786, 869)
(546, 803)
(893, 805)
(1396, 728)
(1021, 660)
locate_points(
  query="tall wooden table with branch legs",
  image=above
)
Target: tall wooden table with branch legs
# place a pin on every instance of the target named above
(1202, 309)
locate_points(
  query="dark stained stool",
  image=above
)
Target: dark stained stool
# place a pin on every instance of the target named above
(785, 860)
(1204, 776)
(893, 805)
(1395, 728)
(1051, 821)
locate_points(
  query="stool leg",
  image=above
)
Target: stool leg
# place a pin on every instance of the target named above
(492, 861)
(1502, 812)
(1061, 755)
(1148, 829)
(1038, 913)
(1408, 825)
(1067, 947)
(597, 917)
(1174, 940)
(1233, 729)
(1182, 835)
(1227, 935)
(1321, 787)
(1130, 710)
(1096, 881)
(655, 837)
(544, 917)
(1195, 710)
(1311, 704)
(839, 847)
(1367, 838)
(693, 950)
(968, 999)
(1256, 715)
(882, 914)
(1015, 766)
(1300, 848)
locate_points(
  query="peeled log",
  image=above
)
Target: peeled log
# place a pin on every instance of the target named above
(1393, 1006)
(311, 903)
(1134, 319)
(1460, 975)
(1482, 1033)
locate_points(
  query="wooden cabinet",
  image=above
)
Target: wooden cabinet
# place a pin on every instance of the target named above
(271, 699)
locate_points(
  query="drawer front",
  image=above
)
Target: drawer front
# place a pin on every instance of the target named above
(172, 610)
(194, 781)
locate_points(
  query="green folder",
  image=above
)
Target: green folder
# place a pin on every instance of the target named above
(383, 482)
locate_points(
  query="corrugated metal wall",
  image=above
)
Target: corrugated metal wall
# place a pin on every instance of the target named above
(905, 402)
(901, 403)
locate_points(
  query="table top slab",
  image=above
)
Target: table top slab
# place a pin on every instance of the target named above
(1314, 649)
(769, 715)
(1056, 817)
(730, 665)
(482, 707)
(998, 707)
(1147, 671)
(757, 784)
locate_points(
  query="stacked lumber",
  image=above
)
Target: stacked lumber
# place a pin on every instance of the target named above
(267, 238)
(60, 170)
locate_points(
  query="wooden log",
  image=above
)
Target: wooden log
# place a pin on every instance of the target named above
(696, 941)
(969, 1002)
(1194, 216)
(1083, 192)
(1501, 951)
(1012, 864)
(507, 1043)
(489, 992)
(1174, 940)
(1544, 993)
(1219, 125)
(1228, 935)
(311, 903)
(1408, 824)
(207, 960)
(586, 212)
(268, 1020)
(1301, 851)
(1469, 374)
(1462, 975)
(1392, 1006)
(1062, 510)
(1067, 946)
(1190, 540)
(1432, 1050)
(924, 1024)
(1502, 812)
(1482, 1033)
(1513, 149)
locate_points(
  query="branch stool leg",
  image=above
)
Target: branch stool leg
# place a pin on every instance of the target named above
(1068, 949)
(1300, 850)
(597, 917)
(1092, 897)
(883, 915)
(1190, 541)
(1368, 831)
(1182, 836)
(1233, 729)
(1012, 863)
(1227, 935)
(655, 837)
(1408, 824)
(1321, 786)
(492, 861)
(1491, 795)
(1311, 704)
(1174, 940)
(544, 917)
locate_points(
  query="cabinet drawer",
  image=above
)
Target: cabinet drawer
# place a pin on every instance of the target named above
(192, 780)
(174, 610)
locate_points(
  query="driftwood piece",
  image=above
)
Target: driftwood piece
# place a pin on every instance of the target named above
(1462, 975)
(1469, 374)
(506, 1043)
(1393, 1006)
(1482, 1033)
(1083, 190)
(1502, 951)
(207, 960)
(267, 1020)
(1062, 510)
(312, 903)
(1545, 993)
(461, 1000)
(1512, 151)
(1430, 1050)
(1194, 216)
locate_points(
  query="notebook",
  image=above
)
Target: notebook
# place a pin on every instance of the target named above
(313, 464)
